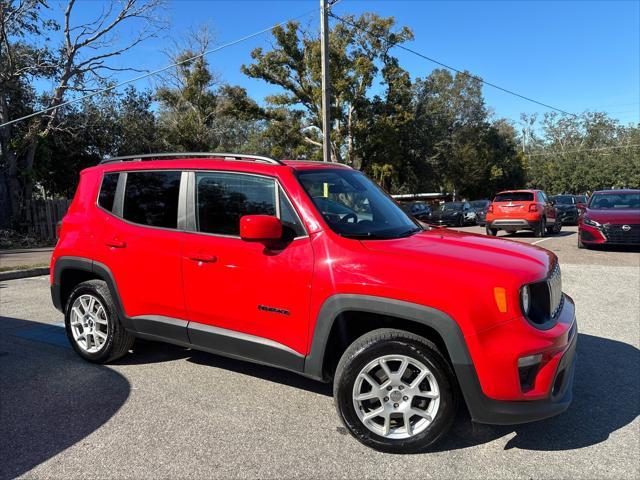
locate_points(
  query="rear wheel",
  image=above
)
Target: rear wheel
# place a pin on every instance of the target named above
(492, 231)
(92, 324)
(394, 391)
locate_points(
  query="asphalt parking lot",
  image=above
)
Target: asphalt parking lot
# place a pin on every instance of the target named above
(168, 412)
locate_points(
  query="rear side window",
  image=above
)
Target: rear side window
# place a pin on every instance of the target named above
(151, 198)
(222, 198)
(514, 197)
(108, 191)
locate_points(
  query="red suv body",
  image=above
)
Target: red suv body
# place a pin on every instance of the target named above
(612, 217)
(515, 210)
(312, 268)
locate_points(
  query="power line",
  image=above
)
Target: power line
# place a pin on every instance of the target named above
(475, 77)
(156, 72)
(560, 152)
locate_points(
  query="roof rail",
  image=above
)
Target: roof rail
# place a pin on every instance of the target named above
(169, 156)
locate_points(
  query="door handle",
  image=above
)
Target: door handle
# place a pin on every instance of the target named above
(203, 257)
(115, 243)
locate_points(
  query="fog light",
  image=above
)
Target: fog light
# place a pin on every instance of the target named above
(529, 360)
(528, 368)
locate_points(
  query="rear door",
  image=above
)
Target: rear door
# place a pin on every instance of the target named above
(245, 291)
(138, 240)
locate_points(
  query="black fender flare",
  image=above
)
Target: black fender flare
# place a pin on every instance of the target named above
(439, 321)
(100, 270)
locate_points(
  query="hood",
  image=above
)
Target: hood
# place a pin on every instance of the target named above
(614, 216)
(566, 207)
(473, 251)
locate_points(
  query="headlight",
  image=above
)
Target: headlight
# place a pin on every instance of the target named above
(591, 222)
(525, 299)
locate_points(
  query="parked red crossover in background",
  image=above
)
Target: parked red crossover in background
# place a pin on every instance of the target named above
(312, 268)
(611, 217)
(515, 210)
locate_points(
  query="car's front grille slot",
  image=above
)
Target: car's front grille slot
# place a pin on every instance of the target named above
(554, 283)
(619, 233)
(546, 298)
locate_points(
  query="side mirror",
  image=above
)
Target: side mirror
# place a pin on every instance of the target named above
(260, 228)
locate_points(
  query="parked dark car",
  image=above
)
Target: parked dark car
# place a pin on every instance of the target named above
(417, 210)
(567, 208)
(581, 201)
(480, 207)
(454, 214)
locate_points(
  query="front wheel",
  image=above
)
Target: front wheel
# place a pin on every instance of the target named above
(555, 228)
(92, 324)
(394, 391)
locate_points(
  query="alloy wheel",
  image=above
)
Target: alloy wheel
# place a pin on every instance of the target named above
(396, 396)
(89, 324)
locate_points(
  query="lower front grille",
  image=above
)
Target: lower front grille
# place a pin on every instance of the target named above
(624, 234)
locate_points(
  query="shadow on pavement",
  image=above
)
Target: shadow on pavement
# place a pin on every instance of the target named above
(49, 399)
(606, 397)
(530, 234)
(151, 352)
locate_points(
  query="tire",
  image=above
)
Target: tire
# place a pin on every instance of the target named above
(556, 228)
(102, 324)
(539, 231)
(492, 231)
(400, 399)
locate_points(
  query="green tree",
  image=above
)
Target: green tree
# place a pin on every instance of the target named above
(588, 152)
(358, 56)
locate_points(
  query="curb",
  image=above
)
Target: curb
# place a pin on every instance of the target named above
(31, 272)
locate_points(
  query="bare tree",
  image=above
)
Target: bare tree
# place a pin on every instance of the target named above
(83, 63)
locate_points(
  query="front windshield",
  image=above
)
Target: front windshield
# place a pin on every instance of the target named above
(564, 199)
(615, 201)
(354, 206)
(455, 206)
(581, 199)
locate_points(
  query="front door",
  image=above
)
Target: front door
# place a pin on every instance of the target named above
(245, 297)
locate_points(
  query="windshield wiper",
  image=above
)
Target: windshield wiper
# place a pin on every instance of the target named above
(408, 233)
(366, 235)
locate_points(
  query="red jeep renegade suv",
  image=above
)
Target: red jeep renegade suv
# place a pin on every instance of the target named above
(312, 268)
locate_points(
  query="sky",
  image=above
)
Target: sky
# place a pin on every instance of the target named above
(574, 55)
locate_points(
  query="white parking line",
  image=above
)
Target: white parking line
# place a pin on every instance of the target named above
(543, 240)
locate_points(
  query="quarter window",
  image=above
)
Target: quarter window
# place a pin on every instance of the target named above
(151, 198)
(108, 191)
(291, 224)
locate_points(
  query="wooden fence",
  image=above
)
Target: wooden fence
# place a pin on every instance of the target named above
(44, 215)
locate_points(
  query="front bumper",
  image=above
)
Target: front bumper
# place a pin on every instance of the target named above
(568, 216)
(500, 399)
(451, 222)
(590, 235)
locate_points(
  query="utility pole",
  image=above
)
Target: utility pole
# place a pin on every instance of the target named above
(326, 94)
